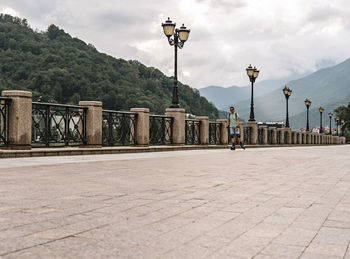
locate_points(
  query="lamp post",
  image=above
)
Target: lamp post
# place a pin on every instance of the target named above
(252, 73)
(287, 92)
(177, 38)
(337, 122)
(321, 112)
(308, 104)
(330, 123)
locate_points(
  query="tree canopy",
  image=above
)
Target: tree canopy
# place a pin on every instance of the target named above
(343, 113)
(64, 69)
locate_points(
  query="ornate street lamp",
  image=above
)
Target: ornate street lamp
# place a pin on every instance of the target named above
(321, 112)
(330, 122)
(252, 73)
(287, 92)
(337, 122)
(308, 104)
(177, 38)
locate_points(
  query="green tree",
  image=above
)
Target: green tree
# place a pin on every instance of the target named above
(343, 112)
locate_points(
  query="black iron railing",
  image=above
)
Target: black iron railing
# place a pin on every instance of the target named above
(269, 136)
(285, 139)
(160, 129)
(55, 125)
(260, 135)
(247, 135)
(298, 138)
(192, 132)
(278, 137)
(4, 121)
(214, 133)
(118, 128)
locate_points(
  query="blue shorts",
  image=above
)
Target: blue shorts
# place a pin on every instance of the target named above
(234, 131)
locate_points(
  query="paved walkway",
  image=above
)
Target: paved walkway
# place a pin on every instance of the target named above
(258, 203)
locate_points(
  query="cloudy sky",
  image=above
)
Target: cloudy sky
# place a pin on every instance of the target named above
(281, 38)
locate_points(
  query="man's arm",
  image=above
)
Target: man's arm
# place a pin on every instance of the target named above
(237, 122)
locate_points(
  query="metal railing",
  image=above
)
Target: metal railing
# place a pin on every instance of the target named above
(118, 128)
(247, 135)
(160, 129)
(278, 137)
(260, 136)
(298, 138)
(55, 125)
(214, 133)
(4, 121)
(192, 132)
(269, 136)
(285, 138)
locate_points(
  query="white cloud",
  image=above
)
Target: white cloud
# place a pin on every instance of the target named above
(279, 37)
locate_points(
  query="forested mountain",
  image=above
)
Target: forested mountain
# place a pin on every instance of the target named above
(63, 69)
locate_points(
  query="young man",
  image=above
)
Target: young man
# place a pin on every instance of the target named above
(233, 123)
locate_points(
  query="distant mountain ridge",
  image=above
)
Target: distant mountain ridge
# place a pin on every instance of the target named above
(224, 97)
(328, 87)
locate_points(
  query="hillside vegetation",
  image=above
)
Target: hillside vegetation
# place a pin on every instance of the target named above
(64, 69)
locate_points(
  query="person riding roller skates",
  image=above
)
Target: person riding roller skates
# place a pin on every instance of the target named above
(233, 123)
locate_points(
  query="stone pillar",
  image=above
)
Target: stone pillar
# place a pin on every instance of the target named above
(93, 123)
(281, 131)
(20, 119)
(224, 131)
(311, 140)
(204, 129)
(178, 125)
(294, 137)
(253, 131)
(264, 134)
(274, 135)
(289, 135)
(142, 126)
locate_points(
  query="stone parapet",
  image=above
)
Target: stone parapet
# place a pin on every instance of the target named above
(204, 129)
(224, 131)
(253, 125)
(93, 123)
(178, 124)
(20, 119)
(142, 126)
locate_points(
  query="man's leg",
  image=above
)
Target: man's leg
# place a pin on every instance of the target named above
(233, 139)
(241, 143)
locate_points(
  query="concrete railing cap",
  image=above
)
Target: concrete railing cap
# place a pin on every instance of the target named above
(175, 110)
(145, 110)
(90, 103)
(16, 93)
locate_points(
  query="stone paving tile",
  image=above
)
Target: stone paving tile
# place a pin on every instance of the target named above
(275, 250)
(326, 249)
(333, 236)
(189, 204)
(296, 237)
